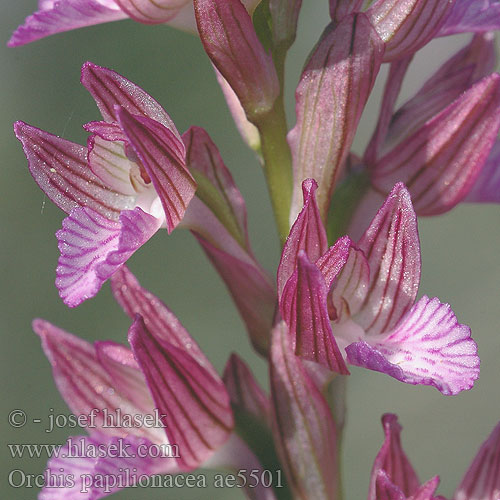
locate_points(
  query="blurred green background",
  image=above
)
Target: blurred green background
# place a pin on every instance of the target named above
(40, 84)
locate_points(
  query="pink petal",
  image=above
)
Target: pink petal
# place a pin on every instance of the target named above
(157, 317)
(60, 168)
(303, 427)
(482, 479)
(65, 15)
(350, 289)
(386, 489)
(127, 377)
(334, 259)
(245, 393)
(307, 233)
(304, 308)
(486, 189)
(393, 462)
(427, 347)
(109, 89)
(88, 388)
(120, 463)
(158, 150)
(195, 404)
(342, 8)
(229, 38)
(109, 131)
(407, 25)
(476, 16)
(392, 248)
(108, 161)
(441, 161)
(427, 490)
(205, 163)
(93, 248)
(453, 78)
(152, 11)
(333, 89)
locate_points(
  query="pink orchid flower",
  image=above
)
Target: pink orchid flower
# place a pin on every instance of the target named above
(357, 302)
(161, 402)
(130, 181)
(56, 16)
(393, 476)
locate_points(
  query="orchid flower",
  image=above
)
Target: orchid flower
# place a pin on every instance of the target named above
(393, 477)
(357, 303)
(56, 16)
(165, 379)
(131, 182)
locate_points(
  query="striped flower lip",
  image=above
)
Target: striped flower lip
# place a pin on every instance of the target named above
(356, 303)
(128, 182)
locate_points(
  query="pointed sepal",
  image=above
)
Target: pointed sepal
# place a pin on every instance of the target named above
(194, 403)
(227, 33)
(333, 89)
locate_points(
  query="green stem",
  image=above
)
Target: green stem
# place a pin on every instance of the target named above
(276, 154)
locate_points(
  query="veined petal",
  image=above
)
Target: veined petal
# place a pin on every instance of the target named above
(482, 479)
(304, 308)
(229, 38)
(330, 98)
(407, 25)
(158, 150)
(93, 248)
(303, 427)
(195, 404)
(60, 168)
(87, 387)
(109, 89)
(127, 377)
(100, 466)
(220, 194)
(386, 489)
(152, 11)
(65, 15)
(342, 8)
(245, 393)
(393, 462)
(451, 80)
(486, 189)
(157, 317)
(440, 162)
(392, 247)
(427, 490)
(351, 287)
(334, 259)
(109, 131)
(472, 16)
(429, 346)
(308, 233)
(109, 162)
